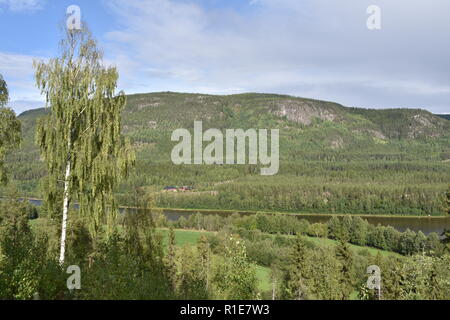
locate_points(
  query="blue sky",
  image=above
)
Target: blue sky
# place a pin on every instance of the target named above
(311, 48)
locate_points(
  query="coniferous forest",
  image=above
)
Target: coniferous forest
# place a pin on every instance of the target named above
(88, 180)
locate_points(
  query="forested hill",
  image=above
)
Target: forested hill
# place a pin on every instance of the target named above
(173, 110)
(444, 116)
(333, 158)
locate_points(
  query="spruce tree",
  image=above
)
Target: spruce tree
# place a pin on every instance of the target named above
(297, 276)
(391, 279)
(81, 137)
(446, 233)
(448, 199)
(345, 256)
(446, 239)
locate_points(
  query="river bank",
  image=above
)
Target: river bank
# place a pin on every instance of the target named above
(426, 224)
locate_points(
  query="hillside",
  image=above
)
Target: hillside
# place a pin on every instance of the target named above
(333, 158)
(444, 116)
(257, 109)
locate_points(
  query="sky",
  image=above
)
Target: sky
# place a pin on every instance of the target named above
(319, 49)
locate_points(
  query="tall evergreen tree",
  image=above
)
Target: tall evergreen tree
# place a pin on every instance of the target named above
(335, 228)
(448, 199)
(392, 279)
(446, 233)
(446, 239)
(345, 256)
(297, 276)
(10, 129)
(81, 137)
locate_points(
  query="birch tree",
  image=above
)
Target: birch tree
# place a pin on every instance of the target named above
(10, 129)
(80, 139)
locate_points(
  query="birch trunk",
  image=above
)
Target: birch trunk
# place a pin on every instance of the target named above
(273, 290)
(65, 212)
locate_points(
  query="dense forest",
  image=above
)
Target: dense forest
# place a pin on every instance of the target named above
(333, 159)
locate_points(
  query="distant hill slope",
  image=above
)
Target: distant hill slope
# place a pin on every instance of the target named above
(332, 158)
(180, 110)
(250, 108)
(444, 116)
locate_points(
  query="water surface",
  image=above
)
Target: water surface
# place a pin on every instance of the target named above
(401, 223)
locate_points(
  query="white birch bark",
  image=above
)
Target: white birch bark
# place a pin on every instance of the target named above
(65, 212)
(273, 290)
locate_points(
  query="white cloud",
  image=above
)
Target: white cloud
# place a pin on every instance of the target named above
(22, 5)
(317, 48)
(15, 65)
(18, 72)
(313, 48)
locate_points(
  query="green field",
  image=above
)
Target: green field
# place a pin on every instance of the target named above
(191, 237)
(182, 237)
(263, 275)
(373, 251)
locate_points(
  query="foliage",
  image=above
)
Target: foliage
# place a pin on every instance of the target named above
(234, 277)
(298, 274)
(346, 279)
(10, 129)
(82, 131)
(25, 266)
(4, 94)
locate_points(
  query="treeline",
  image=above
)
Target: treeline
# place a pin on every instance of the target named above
(404, 188)
(340, 199)
(354, 230)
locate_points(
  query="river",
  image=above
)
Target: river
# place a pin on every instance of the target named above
(425, 224)
(401, 223)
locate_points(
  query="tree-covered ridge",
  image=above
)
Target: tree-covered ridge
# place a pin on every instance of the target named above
(333, 158)
(174, 110)
(444, 116)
